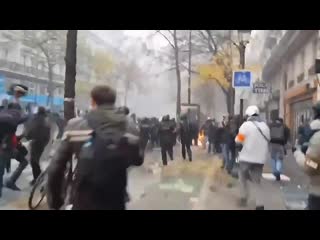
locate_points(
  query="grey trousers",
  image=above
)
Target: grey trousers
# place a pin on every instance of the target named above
(252, 172)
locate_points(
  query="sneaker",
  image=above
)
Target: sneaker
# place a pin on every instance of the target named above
(259, 207)
(242, 202)
(12, 186)
(278, 177)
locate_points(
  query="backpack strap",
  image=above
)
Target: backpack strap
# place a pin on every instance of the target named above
(259, 129)
(78, 135)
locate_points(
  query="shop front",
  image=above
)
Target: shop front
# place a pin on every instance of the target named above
(298, 107)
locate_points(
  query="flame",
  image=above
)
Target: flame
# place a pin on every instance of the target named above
(202, 139)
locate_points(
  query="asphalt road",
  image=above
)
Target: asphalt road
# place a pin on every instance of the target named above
(182, 185)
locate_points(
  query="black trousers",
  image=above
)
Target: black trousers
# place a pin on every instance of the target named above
(313, 202)
(4, 158)
(217, 146)
(167, 148)
(18, 154)
(37, 149)
(185, 145)
(211, 147)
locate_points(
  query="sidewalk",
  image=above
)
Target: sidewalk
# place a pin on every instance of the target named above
(223, 195)
(179, 184)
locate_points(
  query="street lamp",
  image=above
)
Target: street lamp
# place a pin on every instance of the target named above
(244, 36)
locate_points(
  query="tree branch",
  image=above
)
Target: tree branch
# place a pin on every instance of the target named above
(210, 37)
(207, 40)
(192, 71)
(171, 44)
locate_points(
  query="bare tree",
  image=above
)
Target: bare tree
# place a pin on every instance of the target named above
(70, 77)
(174, 44)
(51, 44)
(207, 44)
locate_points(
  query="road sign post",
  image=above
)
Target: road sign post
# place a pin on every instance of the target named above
(242, 79)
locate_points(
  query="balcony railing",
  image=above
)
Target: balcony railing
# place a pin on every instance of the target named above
(20, 68)
(300, 77)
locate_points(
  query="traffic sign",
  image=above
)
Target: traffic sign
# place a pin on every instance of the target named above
(261, 88)
(242, 79)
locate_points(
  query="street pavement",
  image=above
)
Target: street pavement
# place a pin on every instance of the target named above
(183, 185)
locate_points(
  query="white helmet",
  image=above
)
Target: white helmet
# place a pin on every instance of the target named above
(252, 110)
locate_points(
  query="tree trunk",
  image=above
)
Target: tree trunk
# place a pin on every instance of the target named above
(189, 66)
(70, 77)
(176, 54)
(50, 85)
(230, 96)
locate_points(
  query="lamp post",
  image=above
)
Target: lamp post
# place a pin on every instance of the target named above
(189, 70)
(244, 36)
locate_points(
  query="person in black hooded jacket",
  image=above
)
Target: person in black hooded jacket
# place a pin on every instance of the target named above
(166, 131)
(10, 144)
(38, 131)
(100, 181)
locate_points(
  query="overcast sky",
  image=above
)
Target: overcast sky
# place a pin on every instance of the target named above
(156, 42)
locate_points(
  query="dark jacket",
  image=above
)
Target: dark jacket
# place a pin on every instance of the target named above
(9, 121)
(212, 131)
(107, 123)
(186, 133)
(166, 130)
(38, 129)
(286, 133)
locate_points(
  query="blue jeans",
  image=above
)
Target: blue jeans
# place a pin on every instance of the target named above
(277, 156)
(225, 154)
(277, 165)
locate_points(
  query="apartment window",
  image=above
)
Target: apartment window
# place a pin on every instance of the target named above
(24, 60)
(32, 88)
(61, 68)
(42, 90)
(314, 50)
(285, 80)
(300, 76)
(302, 61)
(5, 53)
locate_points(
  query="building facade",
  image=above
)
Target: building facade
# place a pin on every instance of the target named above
(290, 69)
(22, 64)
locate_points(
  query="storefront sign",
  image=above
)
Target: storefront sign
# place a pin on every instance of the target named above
(261, 88)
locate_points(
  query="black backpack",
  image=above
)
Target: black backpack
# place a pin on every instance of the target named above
(277, 132)
(101, 171)
(9, 121)
(99, 159)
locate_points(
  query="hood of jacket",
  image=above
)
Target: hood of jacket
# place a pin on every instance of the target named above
(254, 119)
(107, 121)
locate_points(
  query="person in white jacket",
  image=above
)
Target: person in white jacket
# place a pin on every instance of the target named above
(254, 136)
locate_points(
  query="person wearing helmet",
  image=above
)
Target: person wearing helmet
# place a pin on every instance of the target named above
(254, 136)
(165, 134)
(307, 155)
(19, 152)
(18, 91)
(186, 137)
